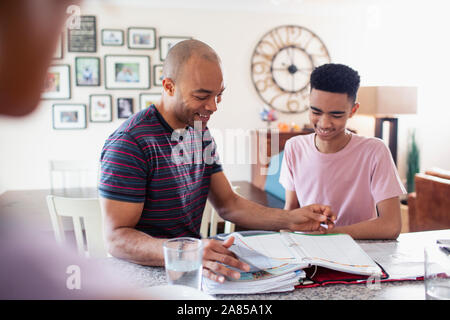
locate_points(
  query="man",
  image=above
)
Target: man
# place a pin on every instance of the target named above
(149, 195)
(354, 175)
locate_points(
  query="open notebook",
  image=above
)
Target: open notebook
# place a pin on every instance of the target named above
(333, 251)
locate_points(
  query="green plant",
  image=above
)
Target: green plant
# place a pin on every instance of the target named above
(413, 163)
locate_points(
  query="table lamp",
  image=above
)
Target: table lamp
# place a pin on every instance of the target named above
(385, 102)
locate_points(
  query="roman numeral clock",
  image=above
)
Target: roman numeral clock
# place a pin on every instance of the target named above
(281, 66)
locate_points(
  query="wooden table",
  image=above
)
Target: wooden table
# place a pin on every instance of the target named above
(31, 205)
(249, 191)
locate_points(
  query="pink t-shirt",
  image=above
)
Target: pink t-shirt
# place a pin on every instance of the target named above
(352, 181)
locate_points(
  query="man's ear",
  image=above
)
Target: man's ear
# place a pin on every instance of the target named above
(354, 109)
(169, 86)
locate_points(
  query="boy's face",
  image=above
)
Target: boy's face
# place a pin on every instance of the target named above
(329, 113)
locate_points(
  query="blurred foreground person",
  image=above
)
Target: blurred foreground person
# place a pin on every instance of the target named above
(32, 265)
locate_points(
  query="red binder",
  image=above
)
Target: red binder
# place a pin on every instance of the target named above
(323, 276)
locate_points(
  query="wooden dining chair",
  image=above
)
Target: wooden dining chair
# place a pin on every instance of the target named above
(86, 210)
(211, 219)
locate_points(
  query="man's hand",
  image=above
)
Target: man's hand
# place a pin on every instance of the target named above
(216, 257)
(311, 218)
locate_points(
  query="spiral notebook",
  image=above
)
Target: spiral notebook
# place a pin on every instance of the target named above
(333, 251)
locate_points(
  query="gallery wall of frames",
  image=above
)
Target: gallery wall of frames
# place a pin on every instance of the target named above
(136, 72)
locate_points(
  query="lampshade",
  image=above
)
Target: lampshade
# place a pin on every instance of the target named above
(387, 101)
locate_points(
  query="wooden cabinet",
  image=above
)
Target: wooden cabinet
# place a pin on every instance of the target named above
(267, 143)
(428, 207)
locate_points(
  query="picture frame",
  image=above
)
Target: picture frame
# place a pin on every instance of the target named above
(69, 116)
(141, 38)
(127, 72)
(124, 107)
(83, 39)
(112, 37)
(157, 75)
(57, 83)
(165, 43)
(147, 99)
(58, 55)
(100, 108)
(87, 71)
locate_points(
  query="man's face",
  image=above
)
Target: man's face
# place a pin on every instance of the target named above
(329, 113)
(198, 91)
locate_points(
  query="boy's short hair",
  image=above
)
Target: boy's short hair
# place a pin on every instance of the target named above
(338, 78)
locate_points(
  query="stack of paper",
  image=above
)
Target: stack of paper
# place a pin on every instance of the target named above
(265, 275)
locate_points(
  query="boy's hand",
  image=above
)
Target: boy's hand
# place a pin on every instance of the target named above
(311, 218)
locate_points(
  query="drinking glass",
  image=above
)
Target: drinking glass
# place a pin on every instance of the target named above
(183, 261)
(437, 273)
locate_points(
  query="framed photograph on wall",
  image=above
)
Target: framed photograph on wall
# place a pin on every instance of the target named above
(57, 83)
(165, 43)
(112, 37)
(87, 71)
(147, 99)
(127, 72)
(141, 38)
(157, 75)
(124, 107)
(69, 116)
(100, 108)
(83, 39)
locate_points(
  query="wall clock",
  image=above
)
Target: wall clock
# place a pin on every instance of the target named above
(282, 63)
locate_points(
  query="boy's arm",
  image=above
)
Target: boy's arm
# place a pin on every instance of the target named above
(386, 226)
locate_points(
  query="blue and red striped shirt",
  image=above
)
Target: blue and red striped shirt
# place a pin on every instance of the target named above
(145, 160)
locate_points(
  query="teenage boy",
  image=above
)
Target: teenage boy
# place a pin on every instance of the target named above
(354, 175)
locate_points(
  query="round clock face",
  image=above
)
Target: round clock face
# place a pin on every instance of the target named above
(282, 63)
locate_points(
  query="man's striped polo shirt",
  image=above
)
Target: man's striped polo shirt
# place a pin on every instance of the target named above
(145, 161)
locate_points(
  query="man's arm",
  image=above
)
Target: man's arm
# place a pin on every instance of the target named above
(234, 208)
(123, 240)
(249, 214)
(387, 226)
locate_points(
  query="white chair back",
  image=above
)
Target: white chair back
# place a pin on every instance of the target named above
(73, 174)
(211, 218)
(87, 209)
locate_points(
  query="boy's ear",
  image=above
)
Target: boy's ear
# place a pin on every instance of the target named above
(354, 109)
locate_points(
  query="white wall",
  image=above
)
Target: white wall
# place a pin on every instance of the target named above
(392, 43)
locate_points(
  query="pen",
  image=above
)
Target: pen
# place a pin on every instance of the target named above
(324, 224)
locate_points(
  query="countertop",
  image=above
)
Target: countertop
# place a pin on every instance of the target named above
(144, 276)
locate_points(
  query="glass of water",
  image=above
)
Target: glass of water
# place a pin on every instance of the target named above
(183, 261)
(437, 273)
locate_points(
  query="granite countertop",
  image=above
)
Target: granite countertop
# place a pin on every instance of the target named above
(406, 251)
(144, 276)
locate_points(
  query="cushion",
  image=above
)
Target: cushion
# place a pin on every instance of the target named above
(272, 185)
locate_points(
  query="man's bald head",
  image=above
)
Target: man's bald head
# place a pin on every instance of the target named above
(182, 52)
